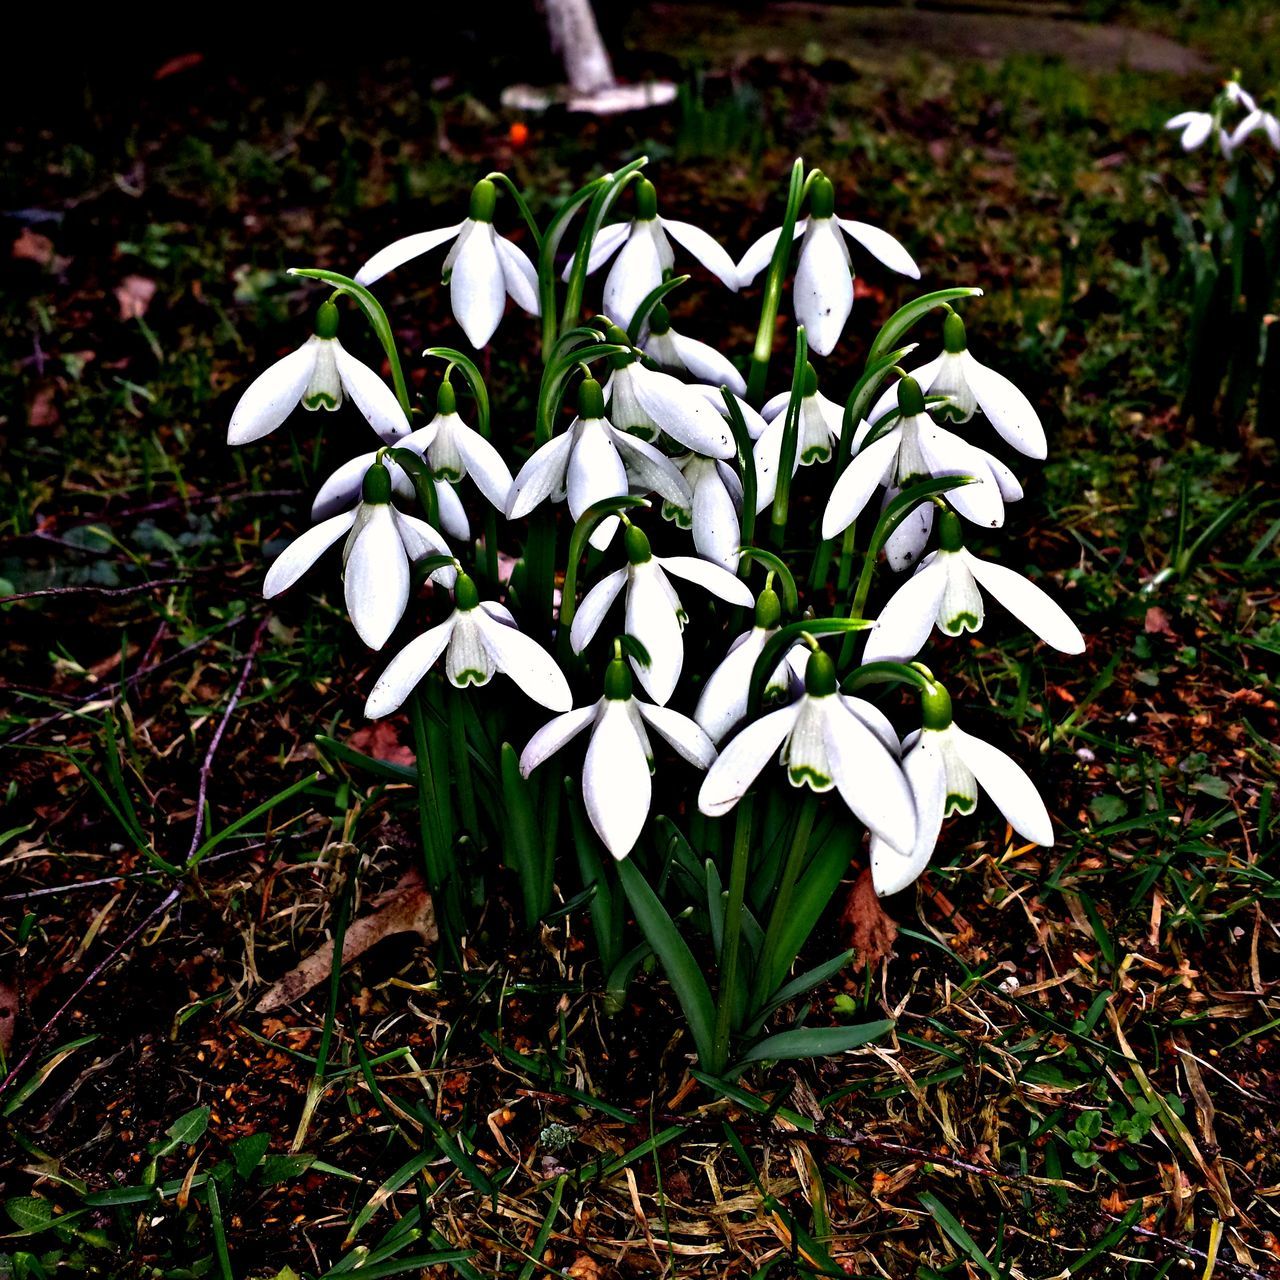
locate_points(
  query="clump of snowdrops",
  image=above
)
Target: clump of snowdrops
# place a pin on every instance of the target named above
(667, 568)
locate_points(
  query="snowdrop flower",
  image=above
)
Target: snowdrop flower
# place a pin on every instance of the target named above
(654, 615)
(825, 740)
(823, 289)
(482, 268)
(647, 403)
(817, 432)
(617, 787)
(1256, 119)
(945, 591)
(969, 386)
(381, 542)
(342, 488)
(756, 425)
(711, 508)
(317, 376)
(674, 350)
(1195, 125)
(477, 639)
(723, 701)
(456, 451)
(944, 767)
(591, 461)
(646, 255)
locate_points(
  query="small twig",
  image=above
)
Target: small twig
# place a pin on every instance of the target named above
(136, 589)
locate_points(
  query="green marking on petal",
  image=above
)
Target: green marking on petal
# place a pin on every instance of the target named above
(802, 775)
(470, 676)
(960, 623)
(320, 400)
(814, 453)
(682, 517)
(960, 804)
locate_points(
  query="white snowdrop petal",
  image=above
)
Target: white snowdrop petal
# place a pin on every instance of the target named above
(520, 275)
(635, 273)
(467, 661)
(376, 577)
(869, 779)
(477, 286)
(650, 469)
(1028, 603)
(739, 764)
(1009, 485)
(304, 551)
(723, 700)
(400, 251)
(904, 624)
(616, 785)
(371, 395)
(961, 607)
(595, 473)
(906, 544)
(420, 539)
(1010, 412)
(760, 254)
(711, 577)
(875, 720)
(595, 604)
(706, 363)
(453, 516)
(603, 247)
(858, 481)
(526, 662)
(705, 248)
(555, 734)
(880, 244)
(542, 475)
(654, 621)
(946, 454)
(823, 286)
(484, 465)
(1012, 792)
(892, 870)
(767, 456)
(406, 670)
(682, 413)
(342, 489)
(272, 396)
(685, 735)
(717, 535)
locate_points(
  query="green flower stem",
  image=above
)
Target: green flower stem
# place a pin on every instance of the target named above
(758, 372)
(460, 758)
(790, 442)
(766, 980)
(435, 858)
(521, 203)
(732, 934)
(583, 530)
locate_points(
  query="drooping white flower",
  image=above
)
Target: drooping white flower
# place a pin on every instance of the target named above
(617, 785)
(654, 615)
(673, 350)
(591, 461)
(945, 591)
(970, 386)
(381, 542)
(1256, 119)
(478, 639)
(482, 268)
(817, 432)
(944, 767)
(342, 488)
(317, 376)
(825, 740)
(1195, 126)
(457, 451)
(723, 701)
(755, 424)
(823, 290)
(646, 255)
(710, 509)
(912, 449)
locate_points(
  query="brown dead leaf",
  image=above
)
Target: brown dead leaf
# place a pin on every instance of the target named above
(869, 931)
(1157, 623)
(134, 294)
(183, 62)
(43, 410)
(31, 246)
(405, 909)
(382, 741)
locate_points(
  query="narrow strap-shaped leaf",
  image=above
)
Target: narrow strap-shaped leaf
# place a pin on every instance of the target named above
(474, 380)
(525, 851)
(782, 640)
(648, 302)
(906, 316)
(746, 465)
(582, 530)
(815, 1042)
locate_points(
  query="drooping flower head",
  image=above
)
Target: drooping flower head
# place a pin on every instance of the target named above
(674, 350)
(456, 451)
(817, 432)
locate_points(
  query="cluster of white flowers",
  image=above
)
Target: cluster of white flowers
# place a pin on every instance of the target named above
(660, 425)
(1232, 117)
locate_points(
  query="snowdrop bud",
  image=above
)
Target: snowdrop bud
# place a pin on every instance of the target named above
(617, 680)
(637, 544)
(327, 321)
(953, 335)
(590, 400)
(465, 595)
(935, 708)
(646, 201)
(950, 537)
(820, 675)
(822, 197)
(910, 398)
(446, 399)
(484, 200)
(376, 489)
(768, 609)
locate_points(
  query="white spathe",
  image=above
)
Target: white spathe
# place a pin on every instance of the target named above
(317, 375)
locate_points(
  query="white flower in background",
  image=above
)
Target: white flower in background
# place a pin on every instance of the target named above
(1196, 126)
(647, 403)
(457, 451)
(945, 767)
(823, 290)
(591, 461)
(970, 386)
(674, 350)
(710, 509)
(482, 268)
(1256, 119)
(646, 255)
(723, 701)
(913, 449)
(477, 639)
(381, 542)
(825, 740)
(654, 615)
(342, 488)
(817, 433)
(945, 591)
(617, 786)
(316, 376)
